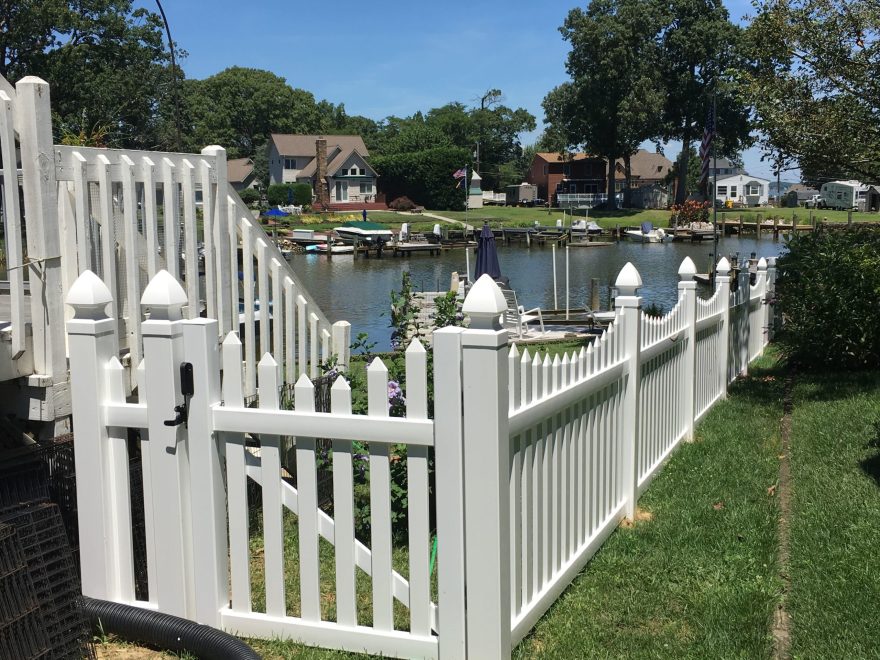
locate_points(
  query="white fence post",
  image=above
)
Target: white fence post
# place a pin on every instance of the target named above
(449, 479)
(226, 310)
(770, 297)
(487, 473)
(342, 344)
(629, 312)
(722, 282)
(687, 292)
(208, 494)
(164, 298)
(92, 344)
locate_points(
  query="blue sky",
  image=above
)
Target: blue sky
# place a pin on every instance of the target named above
(391, 57)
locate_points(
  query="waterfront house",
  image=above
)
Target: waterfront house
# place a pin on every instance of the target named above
(742, 190)
(240, 173)
(647, 168)
(722, 167)
(574, 174)
(335, 166)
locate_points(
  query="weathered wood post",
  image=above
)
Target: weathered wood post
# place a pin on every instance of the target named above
(449, 477)
(101, 490)
(34, 124)
(687, 293)
(722, 282)
(487, 472)
(629, 323)
(164, 299)
(208, 494)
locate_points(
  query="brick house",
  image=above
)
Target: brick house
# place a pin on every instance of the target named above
(573, 173)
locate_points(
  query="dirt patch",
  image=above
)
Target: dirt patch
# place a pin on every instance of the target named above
(782, 489)
(641, 516)
(117, 651)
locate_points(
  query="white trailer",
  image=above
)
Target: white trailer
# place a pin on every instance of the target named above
(843, 195)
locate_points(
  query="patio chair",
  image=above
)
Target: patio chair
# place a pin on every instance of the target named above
(517, 317)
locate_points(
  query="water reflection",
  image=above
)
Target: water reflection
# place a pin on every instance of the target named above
(358, 290)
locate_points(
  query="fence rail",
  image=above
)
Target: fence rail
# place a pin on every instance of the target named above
(535, 461)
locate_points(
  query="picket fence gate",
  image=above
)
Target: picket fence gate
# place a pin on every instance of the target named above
(535, 462)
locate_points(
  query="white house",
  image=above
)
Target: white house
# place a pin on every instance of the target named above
(337, 161)
(743, 189)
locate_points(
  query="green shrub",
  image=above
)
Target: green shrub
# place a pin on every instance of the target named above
(300, 194)
(249, 196)
(828, 296)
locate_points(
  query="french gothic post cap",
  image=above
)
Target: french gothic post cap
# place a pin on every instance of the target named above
(723, 267)
(164, 296)
(762, 264)
(628, 280)
(687, 270)
(485, 304)
(89, 297)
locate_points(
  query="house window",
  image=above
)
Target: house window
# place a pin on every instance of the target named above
(363, 172)
(839, 195)
(733, 191)
(546, 168)
(572, 188)
(722, 190)
(366, 188)
(290, 163)
(754, 189)
(354, 171)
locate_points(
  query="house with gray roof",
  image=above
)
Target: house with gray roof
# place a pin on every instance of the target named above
(334, 165)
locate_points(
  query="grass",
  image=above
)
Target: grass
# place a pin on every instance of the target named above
(509, 216)
(835, 530)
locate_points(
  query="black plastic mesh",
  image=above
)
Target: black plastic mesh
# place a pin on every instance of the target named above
(22, 630)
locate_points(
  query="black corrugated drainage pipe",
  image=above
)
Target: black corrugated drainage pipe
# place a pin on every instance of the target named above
(166, 631)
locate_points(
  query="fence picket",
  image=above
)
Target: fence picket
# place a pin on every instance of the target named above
(343, 511)
(290, 332)
(301, 311)
(264, 306)
(151, 216)
(277, 311)
(236, 479)
(81, 208)
(208, 229)
(307, 489)
(380, 500)
(130, 259)
(190, 237)
(250, 328)
(273, 530)
(417, 493)
(171, 216)
(314, 340)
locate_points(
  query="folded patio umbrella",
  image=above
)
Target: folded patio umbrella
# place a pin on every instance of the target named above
(487, 255)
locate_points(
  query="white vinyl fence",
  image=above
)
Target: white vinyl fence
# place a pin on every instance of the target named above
(535, 462)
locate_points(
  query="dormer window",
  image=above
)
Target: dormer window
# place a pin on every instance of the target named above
(290, 163)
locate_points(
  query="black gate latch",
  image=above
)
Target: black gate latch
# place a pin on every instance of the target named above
(187, 388)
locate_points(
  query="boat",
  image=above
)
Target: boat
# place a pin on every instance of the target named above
(363, 232)
(647, 233)
(331, 248)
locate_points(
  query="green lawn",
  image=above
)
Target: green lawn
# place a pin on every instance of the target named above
(509, 216)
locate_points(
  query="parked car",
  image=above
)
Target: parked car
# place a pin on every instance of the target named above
(815, 202)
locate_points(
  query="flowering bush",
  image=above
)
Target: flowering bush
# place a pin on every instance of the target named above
(690, 211)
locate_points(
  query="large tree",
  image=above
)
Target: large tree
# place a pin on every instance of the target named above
(700, 51)
(815, 84)
(610, 104)
(107, 64)
(239, 108)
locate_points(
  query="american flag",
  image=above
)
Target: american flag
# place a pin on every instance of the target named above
(706, 149)
(460, 174)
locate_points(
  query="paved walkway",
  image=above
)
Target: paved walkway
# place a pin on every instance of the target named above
(436, 216)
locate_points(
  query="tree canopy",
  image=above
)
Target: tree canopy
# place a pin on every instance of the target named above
(815, 85)
(106, 61)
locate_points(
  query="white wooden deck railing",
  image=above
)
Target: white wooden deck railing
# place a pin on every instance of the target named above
(126, 215)
(535, 461)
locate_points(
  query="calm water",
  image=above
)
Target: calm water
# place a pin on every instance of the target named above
(358, 290)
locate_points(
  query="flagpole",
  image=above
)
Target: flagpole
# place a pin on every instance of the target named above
(467, 253)
(714, 186)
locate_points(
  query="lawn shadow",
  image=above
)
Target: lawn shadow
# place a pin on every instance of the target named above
(871, 465)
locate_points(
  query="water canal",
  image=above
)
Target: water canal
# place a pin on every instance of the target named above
(358, 290)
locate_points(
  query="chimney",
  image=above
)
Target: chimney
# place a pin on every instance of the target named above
(322, 192)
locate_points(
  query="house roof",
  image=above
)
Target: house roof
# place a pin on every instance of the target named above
(336, 158)
(644, 165)
(551, 157)
(239, 169)
(741, 175)
(724, 163)
(304, 145)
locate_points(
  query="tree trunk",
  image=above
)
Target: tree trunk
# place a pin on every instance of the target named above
(682, 193)
(611, 204)
(627, 181)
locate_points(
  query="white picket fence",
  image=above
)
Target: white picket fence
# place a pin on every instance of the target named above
(535, 462)
(126, 215)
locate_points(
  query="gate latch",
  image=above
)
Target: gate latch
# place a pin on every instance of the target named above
(187, 388)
